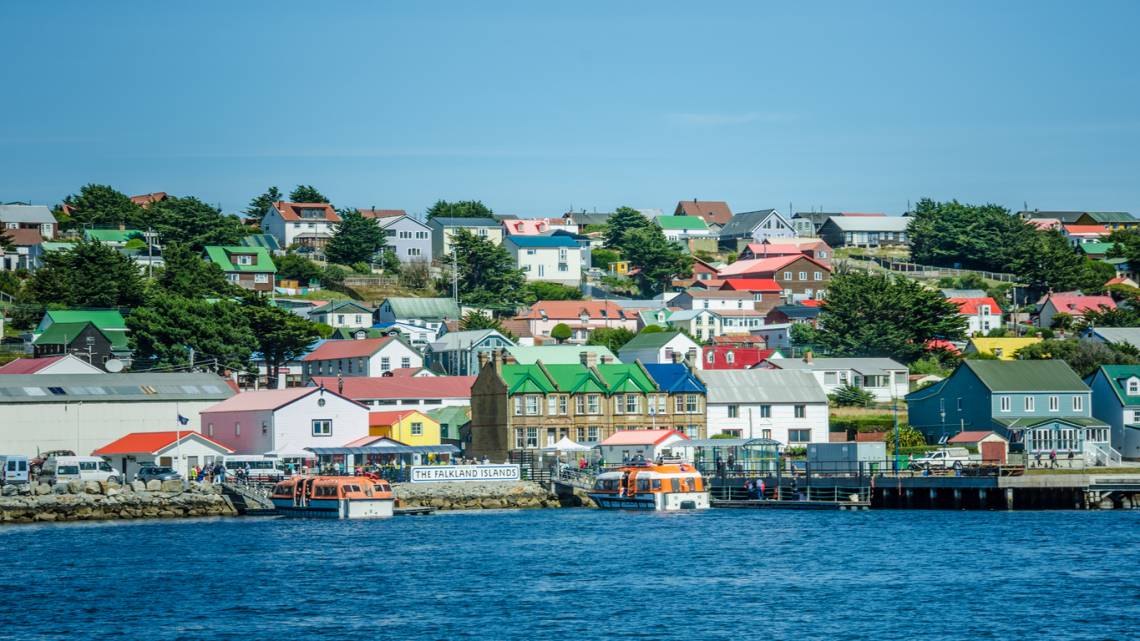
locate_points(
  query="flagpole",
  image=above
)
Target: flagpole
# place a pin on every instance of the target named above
(178, 438)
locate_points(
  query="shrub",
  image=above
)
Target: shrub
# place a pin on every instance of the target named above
(851, 396)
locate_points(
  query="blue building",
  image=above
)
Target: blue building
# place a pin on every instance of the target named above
(457, 353)
(679, 381)
(1040, 406)
(1116, 401)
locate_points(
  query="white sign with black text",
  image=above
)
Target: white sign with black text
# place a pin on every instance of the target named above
(442, 473)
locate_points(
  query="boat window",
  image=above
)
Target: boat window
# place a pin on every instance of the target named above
(282, 488)
(676, 485)
(325, 490)
(643, 484)
(379, 488)
(606, 484)
(657, 484)
(351, 488)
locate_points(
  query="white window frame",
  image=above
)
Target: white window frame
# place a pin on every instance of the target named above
(1006, 403)
(322, 427)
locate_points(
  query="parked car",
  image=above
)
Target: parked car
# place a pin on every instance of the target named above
(78, 468)
(13, 469)
(942, 459)
(148, 473)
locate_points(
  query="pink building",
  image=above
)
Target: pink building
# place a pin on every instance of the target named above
(285, 421)
(581, 315)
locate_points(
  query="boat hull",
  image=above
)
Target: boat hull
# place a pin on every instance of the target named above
(661, 501)
(338, 508)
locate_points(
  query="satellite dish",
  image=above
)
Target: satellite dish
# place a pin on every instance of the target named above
(113, 365)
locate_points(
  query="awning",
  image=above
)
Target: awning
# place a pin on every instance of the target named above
(566, 445)
(386, 449)
(729, 442)
(286, 451)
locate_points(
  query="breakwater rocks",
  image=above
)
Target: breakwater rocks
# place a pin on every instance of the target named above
(475, 496)
(89, 500)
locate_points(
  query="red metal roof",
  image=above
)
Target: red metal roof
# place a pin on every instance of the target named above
(269, 399)
(573, 309)
(738, 339)
(347, 348)
(28, 365)
(381, 213)
(1086, 229)
(1078, 304)
(24, 237)
(742, 357)
(971, 305)
(763, 250)
(389, 418)
(711, 211)
(394, 387)
(766, 265)
(152, 442)
(641, 437)
(752, 284)
(288, 211)
(969, 437)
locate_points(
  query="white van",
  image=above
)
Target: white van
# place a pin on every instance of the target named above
(14, 469)
(78, 468)
(261, 468)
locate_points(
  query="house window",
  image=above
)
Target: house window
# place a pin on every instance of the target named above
(619, 404)
(244, 260)
(518, 406)
(803, 275)
(730, 358)
(787, 275)
(322, 427)
(593, 433)
(532, 405)
(765, 411)
(691, 404)
(551, 405)
(261, 278)
(532, 437)
(594, 403)
(562, 405)
(1029, 403)
(414, 251)
(734, 411)
(1054, 404)
(819, 276)
(830, 378)
(632, 404)
(1133, 386)
(1005, 404)
(1078, 403)
(210, 429)
(237, 429)
(417, 429)
(580, 404)
(520, 438)
(799, 436)
(385, 364)
(405, 362)
(959, 403)
(662, 401)
(801, 411)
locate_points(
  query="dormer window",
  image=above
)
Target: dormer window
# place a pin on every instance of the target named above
(584, 317)
(1134, 386)
(244, 259)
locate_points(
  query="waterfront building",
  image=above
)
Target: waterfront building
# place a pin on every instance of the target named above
(992, 447)
(785, 405)
(403, 392)
(884, 378)
(457, 353)
(662, 347)
(1039, 405)
(408, 426)
(285, 421)
(81, 412)
(454, 423)
(1116, 401)
(66, 364)
(179, 449)
(523, 408)
(364, 357)
(626, 445)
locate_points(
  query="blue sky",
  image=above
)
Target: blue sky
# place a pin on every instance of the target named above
(537, 107)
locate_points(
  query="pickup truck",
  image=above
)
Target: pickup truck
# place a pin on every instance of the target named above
(943, 459)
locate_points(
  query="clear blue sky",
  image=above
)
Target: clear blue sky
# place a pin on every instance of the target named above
(534, 107)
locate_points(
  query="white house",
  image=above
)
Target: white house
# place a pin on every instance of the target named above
(788, 406)
(715, 299)
(662, 347)
(430, 315)
(37, 217)
(554, 259)
(626, 445)
(701, 323)
(884, 378)
(981, 314)
(82, 412)
(342, 313)
(361, 357)
(285, 421)
(304, 224)
(179, 449)
(757, 226)
(682, 228)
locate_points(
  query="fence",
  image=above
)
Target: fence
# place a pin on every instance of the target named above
(930, 271)
(371, 281)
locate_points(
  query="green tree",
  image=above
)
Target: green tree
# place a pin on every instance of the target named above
(803, 334)
(908, 437)
(601, 258)
(281, 336)
(953, 234)
(389, 261)
(415, 274)
(460, 209)
(612, 337)
(297, 267)
(355, 239)
(186, 274)
(658, 261)
(167, 327)
(89, 274)
(259, 205)
(101, 205)
(1062, 320)
(873, 314)
(1084, 356)
(850, 396)
(5, 242)
(1047, 261)
(651, 329)
(1121, 316)
(474, 320)
(541, 290)
(193, 223)
(623, 221)
(306, 194)
(487, 274)
(561, 333)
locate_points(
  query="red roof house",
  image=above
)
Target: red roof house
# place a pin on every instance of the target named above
(1074, 304)
(713, 212)
(156, 442)
(734, 356)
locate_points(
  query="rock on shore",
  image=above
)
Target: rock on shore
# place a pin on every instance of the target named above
(475, 496)
(88, 501)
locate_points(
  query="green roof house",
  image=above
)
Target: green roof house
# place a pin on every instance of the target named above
(247, 267)
(83, 339)
(1116, 401)
(683, 227)
(1040, 406)
(662, 347)
(105, 319)
(348, 314)
(452, 419)
(114, 237)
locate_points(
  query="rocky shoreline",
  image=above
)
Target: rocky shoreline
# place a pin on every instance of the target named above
(478, 496)
(91, 501)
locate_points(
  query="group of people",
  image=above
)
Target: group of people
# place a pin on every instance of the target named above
(215, 473)
(755, 489)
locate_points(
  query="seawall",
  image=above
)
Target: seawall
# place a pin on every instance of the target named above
(91, 501)
(475, 495)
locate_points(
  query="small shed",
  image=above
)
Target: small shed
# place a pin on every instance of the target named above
(181, 450)
(993, 447)
(626, 445)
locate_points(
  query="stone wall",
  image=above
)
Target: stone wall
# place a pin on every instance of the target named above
(86, 501)
(475, 496)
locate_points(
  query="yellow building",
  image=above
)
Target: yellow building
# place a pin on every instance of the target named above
(620, 268)
(410, 427)
(1003, 348)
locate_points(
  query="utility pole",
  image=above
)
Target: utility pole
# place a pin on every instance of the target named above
(149, 253)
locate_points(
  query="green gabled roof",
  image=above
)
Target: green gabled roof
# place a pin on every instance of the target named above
(337, 305)
(1096, 248)
(450, 419)
(649, 317)
(220, 255)
(651, 340)
(626, 378)
(694, 223)
(427, 309)
(1111, 216)
(65, 333)
(1117, 377)
(113, 235)
(1027, 376)
(1027, 422)
(103, 318)
(344, 333)
(526, 379)
(575, 379)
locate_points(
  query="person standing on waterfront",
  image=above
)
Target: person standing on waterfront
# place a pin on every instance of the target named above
(1053, 458)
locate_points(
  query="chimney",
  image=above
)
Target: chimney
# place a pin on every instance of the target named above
(677, 357)
(606, 360)
(588, 359)
(497, 359)
(808, 357)
(483, 360)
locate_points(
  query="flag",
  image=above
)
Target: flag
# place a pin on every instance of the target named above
(182, 420)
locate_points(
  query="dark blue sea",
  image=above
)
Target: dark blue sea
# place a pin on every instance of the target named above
(580, 575)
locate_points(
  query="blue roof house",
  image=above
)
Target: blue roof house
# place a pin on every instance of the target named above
(553, 259)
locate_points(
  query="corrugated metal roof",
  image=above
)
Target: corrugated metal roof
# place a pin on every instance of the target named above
(452, 341)
(875, 366)
(464, 222)
(427, 309)
(869, 223)
(98, 388)
(743, 223)
(39, 214)
(1130, 335)
(651, 340)
(762, 386)
(1027, 376)
(558, 354)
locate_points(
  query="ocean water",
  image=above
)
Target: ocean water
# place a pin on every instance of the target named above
(580, 575)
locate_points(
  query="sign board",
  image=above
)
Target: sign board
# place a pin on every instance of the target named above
(443, 473)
